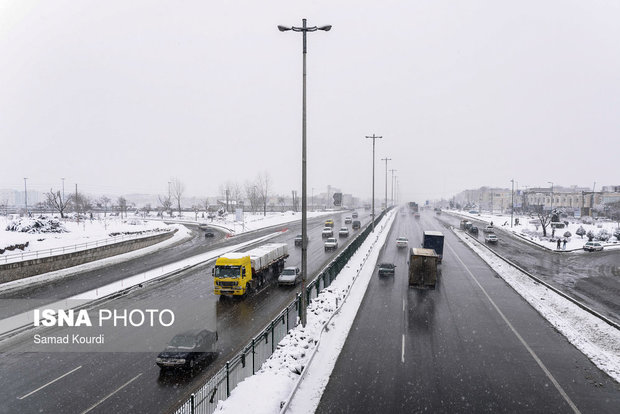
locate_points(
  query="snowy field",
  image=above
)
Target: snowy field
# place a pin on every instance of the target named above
(250, 221)
(529, 228)
(72, 233)
(98, 229)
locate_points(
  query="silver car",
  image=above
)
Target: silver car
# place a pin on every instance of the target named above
(289, 276)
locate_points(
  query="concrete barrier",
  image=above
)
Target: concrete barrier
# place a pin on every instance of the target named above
(27, 268)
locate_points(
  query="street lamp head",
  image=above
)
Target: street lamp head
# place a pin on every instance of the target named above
(326, 28)
(283, 28)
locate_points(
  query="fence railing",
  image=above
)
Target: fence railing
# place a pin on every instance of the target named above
(39, 254)
(204, 400)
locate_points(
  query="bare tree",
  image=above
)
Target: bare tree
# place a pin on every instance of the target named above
(82, 202)
(122, 205)
(545, 218)
(282, 202)
(263, 186)
(104, 202)
(166, 204)
(177, 192)
(251, 193)
(56, 202)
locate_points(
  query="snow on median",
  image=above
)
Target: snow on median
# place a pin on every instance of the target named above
(599, 341)
(330, 317)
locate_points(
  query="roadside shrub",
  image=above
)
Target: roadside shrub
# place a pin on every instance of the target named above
(36, 225)
(603, 235)
(567, 234)
(587, 220)
(617, 233)
(590, 235)
(580, 231)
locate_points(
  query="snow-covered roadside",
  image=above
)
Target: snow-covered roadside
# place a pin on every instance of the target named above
(599, 341)
(529, 229)
(180, 235)
(312, 351)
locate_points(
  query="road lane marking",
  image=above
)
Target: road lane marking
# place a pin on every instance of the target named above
(402, 355)
(527, 347)
(111, 394)
(404, 309)
(49, 383)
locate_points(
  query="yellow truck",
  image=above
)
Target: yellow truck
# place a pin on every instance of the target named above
(236, 274)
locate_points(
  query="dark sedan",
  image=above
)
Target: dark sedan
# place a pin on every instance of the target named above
(187, 349)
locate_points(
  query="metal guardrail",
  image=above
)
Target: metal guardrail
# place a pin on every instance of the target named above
(204, 400)
(39, 254)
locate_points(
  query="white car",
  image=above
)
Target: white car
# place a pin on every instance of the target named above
(327, 232)
(348, 220)
(344, 232)
(402, 242)
(289, 276)
(490, 238)
(592, 246)
(331, 244)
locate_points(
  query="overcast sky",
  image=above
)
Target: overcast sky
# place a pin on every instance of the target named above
(121, 96)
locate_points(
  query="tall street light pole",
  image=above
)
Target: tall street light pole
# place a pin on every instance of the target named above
(304, 223)
(373, 137)
(392, 170)
(512, 200)
(386, 159)
(26, 195)
(551, 196)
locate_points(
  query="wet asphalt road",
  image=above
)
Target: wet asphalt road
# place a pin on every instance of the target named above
(469, 346)
(592, 278)
(129, 381)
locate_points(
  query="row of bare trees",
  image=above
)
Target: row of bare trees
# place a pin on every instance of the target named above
(81, 203)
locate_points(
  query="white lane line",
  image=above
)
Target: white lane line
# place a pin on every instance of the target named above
(111, 394)
(402, 355)
(49, 383)
(512, 328)
(404, 309)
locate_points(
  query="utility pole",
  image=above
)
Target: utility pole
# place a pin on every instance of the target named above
(63, 188)
(77, 211)
(373, 137)
(393, 185)
(26, 195)
(386, 159)
(512, 200)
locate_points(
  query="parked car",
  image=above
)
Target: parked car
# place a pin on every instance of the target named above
(386, 269)
(354, 215)
(347, 220)
(187, 349)
(327, 232)
(490, 238)
(289, 276)
(416, 215)
(488, 229)
(402, 242)
(356, 225)
(343, 232)
(329, 223)
(331, 244)
(592, 246)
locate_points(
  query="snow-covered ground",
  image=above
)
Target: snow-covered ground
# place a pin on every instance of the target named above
(249, 222)
(99, 229)
(75, 234)
(312, 350)
(530, 229)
